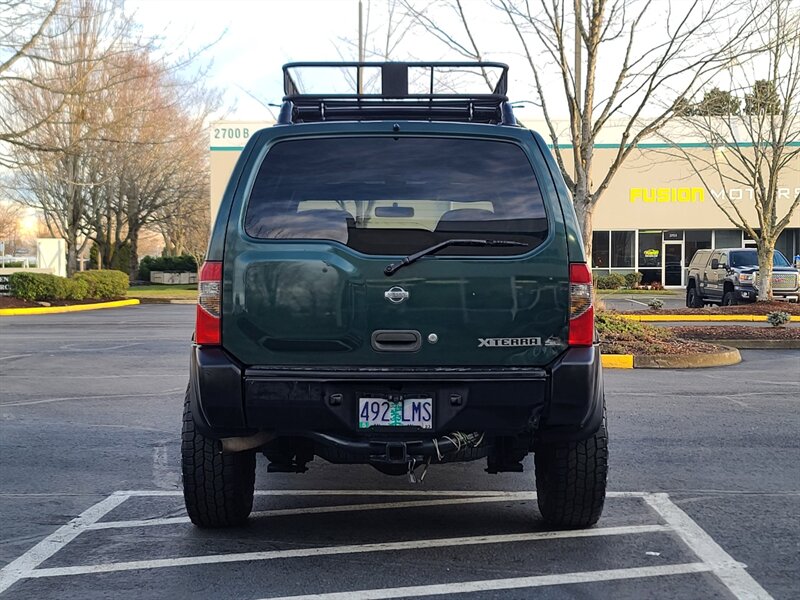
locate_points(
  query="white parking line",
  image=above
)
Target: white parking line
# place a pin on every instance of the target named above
(729, 571)
(26, 564)
(451, 589)
(714, 559)
(282, 512)
(185, 561)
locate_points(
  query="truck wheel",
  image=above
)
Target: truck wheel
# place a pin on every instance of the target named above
(693, 299)
(217, 488)
(729, 299)
(571, 480)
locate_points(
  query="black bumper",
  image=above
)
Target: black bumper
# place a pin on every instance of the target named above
(561, 401)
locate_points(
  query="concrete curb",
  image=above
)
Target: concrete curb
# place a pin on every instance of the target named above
(617, 361)
(757, 344)
(725, 357)
(679, 318)
(51, 310)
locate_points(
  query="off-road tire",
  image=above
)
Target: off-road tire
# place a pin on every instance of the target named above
(693, 299)
(571, 480)
(217, 488)
(729, 299)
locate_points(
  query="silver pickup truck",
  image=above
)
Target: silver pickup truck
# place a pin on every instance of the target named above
(729, 276)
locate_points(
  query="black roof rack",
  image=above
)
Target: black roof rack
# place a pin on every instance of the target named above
(394, 100)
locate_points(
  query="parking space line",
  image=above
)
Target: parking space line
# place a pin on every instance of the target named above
(344, 549)
(26, 564)
(451, 589)
(731, 572)
(282, 512)
(420, 492)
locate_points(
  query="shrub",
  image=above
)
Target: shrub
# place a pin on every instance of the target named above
(614, 281)
(778, 318)
(33, 286)
(184, 263)
(44, 286)
(632, 280)
(104, 285)
(655, 304)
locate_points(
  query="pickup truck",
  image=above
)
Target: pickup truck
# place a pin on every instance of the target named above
(729, 276)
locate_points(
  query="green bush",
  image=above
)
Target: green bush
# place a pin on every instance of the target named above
(104, 285)
(44, 287)
(185, 263)
(778, 318)
(614, 281)
(633, 279)
(33, 286)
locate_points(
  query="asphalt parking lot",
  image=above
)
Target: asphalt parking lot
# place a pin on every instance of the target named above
(704, 474)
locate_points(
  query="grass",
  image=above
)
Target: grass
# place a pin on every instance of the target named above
(160, 291)
(640, 292)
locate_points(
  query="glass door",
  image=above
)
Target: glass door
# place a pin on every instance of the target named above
(673, 264)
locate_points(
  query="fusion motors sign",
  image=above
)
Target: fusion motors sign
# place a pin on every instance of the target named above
(690, 195)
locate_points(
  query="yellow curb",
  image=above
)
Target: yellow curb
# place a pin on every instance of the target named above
(678, 318)
(617, 361)
(50, 310)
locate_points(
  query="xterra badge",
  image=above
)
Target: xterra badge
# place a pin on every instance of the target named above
(396, 294)
(508, 342)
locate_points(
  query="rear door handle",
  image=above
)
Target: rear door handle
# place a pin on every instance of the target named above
(396, 340)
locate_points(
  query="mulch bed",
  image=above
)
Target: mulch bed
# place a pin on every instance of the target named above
(756, 308)
(9, 302)
(621, 336)
(733, 332)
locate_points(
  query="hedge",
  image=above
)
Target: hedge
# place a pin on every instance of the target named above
(104, 285)
(176, 264)
(43, 286)
(99, 285)
(614, 281)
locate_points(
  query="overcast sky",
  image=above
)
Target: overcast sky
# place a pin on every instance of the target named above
(258, 36)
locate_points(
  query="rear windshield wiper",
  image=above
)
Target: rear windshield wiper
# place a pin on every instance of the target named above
(394, 267)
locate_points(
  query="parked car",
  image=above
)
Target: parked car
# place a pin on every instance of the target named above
(396, 281)
(729, 276)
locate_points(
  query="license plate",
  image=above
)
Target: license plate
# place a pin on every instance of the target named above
(409, 412)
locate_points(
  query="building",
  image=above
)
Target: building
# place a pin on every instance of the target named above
(655, 214)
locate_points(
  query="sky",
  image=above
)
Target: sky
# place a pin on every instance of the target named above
(255, 37)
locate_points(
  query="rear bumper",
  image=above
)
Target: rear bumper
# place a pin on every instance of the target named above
(559, 402)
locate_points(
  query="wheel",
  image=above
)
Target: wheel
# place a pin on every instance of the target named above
(693, 299)
(729, 299)
(571, 480)
(217, 488)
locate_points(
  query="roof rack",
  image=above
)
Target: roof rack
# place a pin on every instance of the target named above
(394, 100)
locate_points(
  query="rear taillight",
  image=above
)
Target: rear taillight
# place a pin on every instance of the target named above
(209, 301)
(581, 310)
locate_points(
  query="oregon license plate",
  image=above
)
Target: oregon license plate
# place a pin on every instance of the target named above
(408, 412)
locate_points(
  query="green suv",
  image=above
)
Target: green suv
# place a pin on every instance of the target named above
(395, 279)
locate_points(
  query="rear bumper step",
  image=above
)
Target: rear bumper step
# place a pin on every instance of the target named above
(559, 402)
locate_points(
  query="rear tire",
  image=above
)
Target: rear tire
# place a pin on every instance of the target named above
(571, 480)
(217, 488)
(693, 299)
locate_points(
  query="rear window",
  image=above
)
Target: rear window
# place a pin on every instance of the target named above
(700, 258)
(384, 195)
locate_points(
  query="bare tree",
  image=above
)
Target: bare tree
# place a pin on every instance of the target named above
(10, 215)
(25, 26)
(607, 71)
(757, 150)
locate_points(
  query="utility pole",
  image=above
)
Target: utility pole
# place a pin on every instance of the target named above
(359, 78)
(578, 75)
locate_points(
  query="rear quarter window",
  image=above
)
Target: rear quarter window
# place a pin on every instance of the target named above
(385, 195)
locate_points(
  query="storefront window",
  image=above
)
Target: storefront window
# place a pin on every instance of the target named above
(727, 238)
(696, 239)
(622, 247)
(600, 253)
(649, 249)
